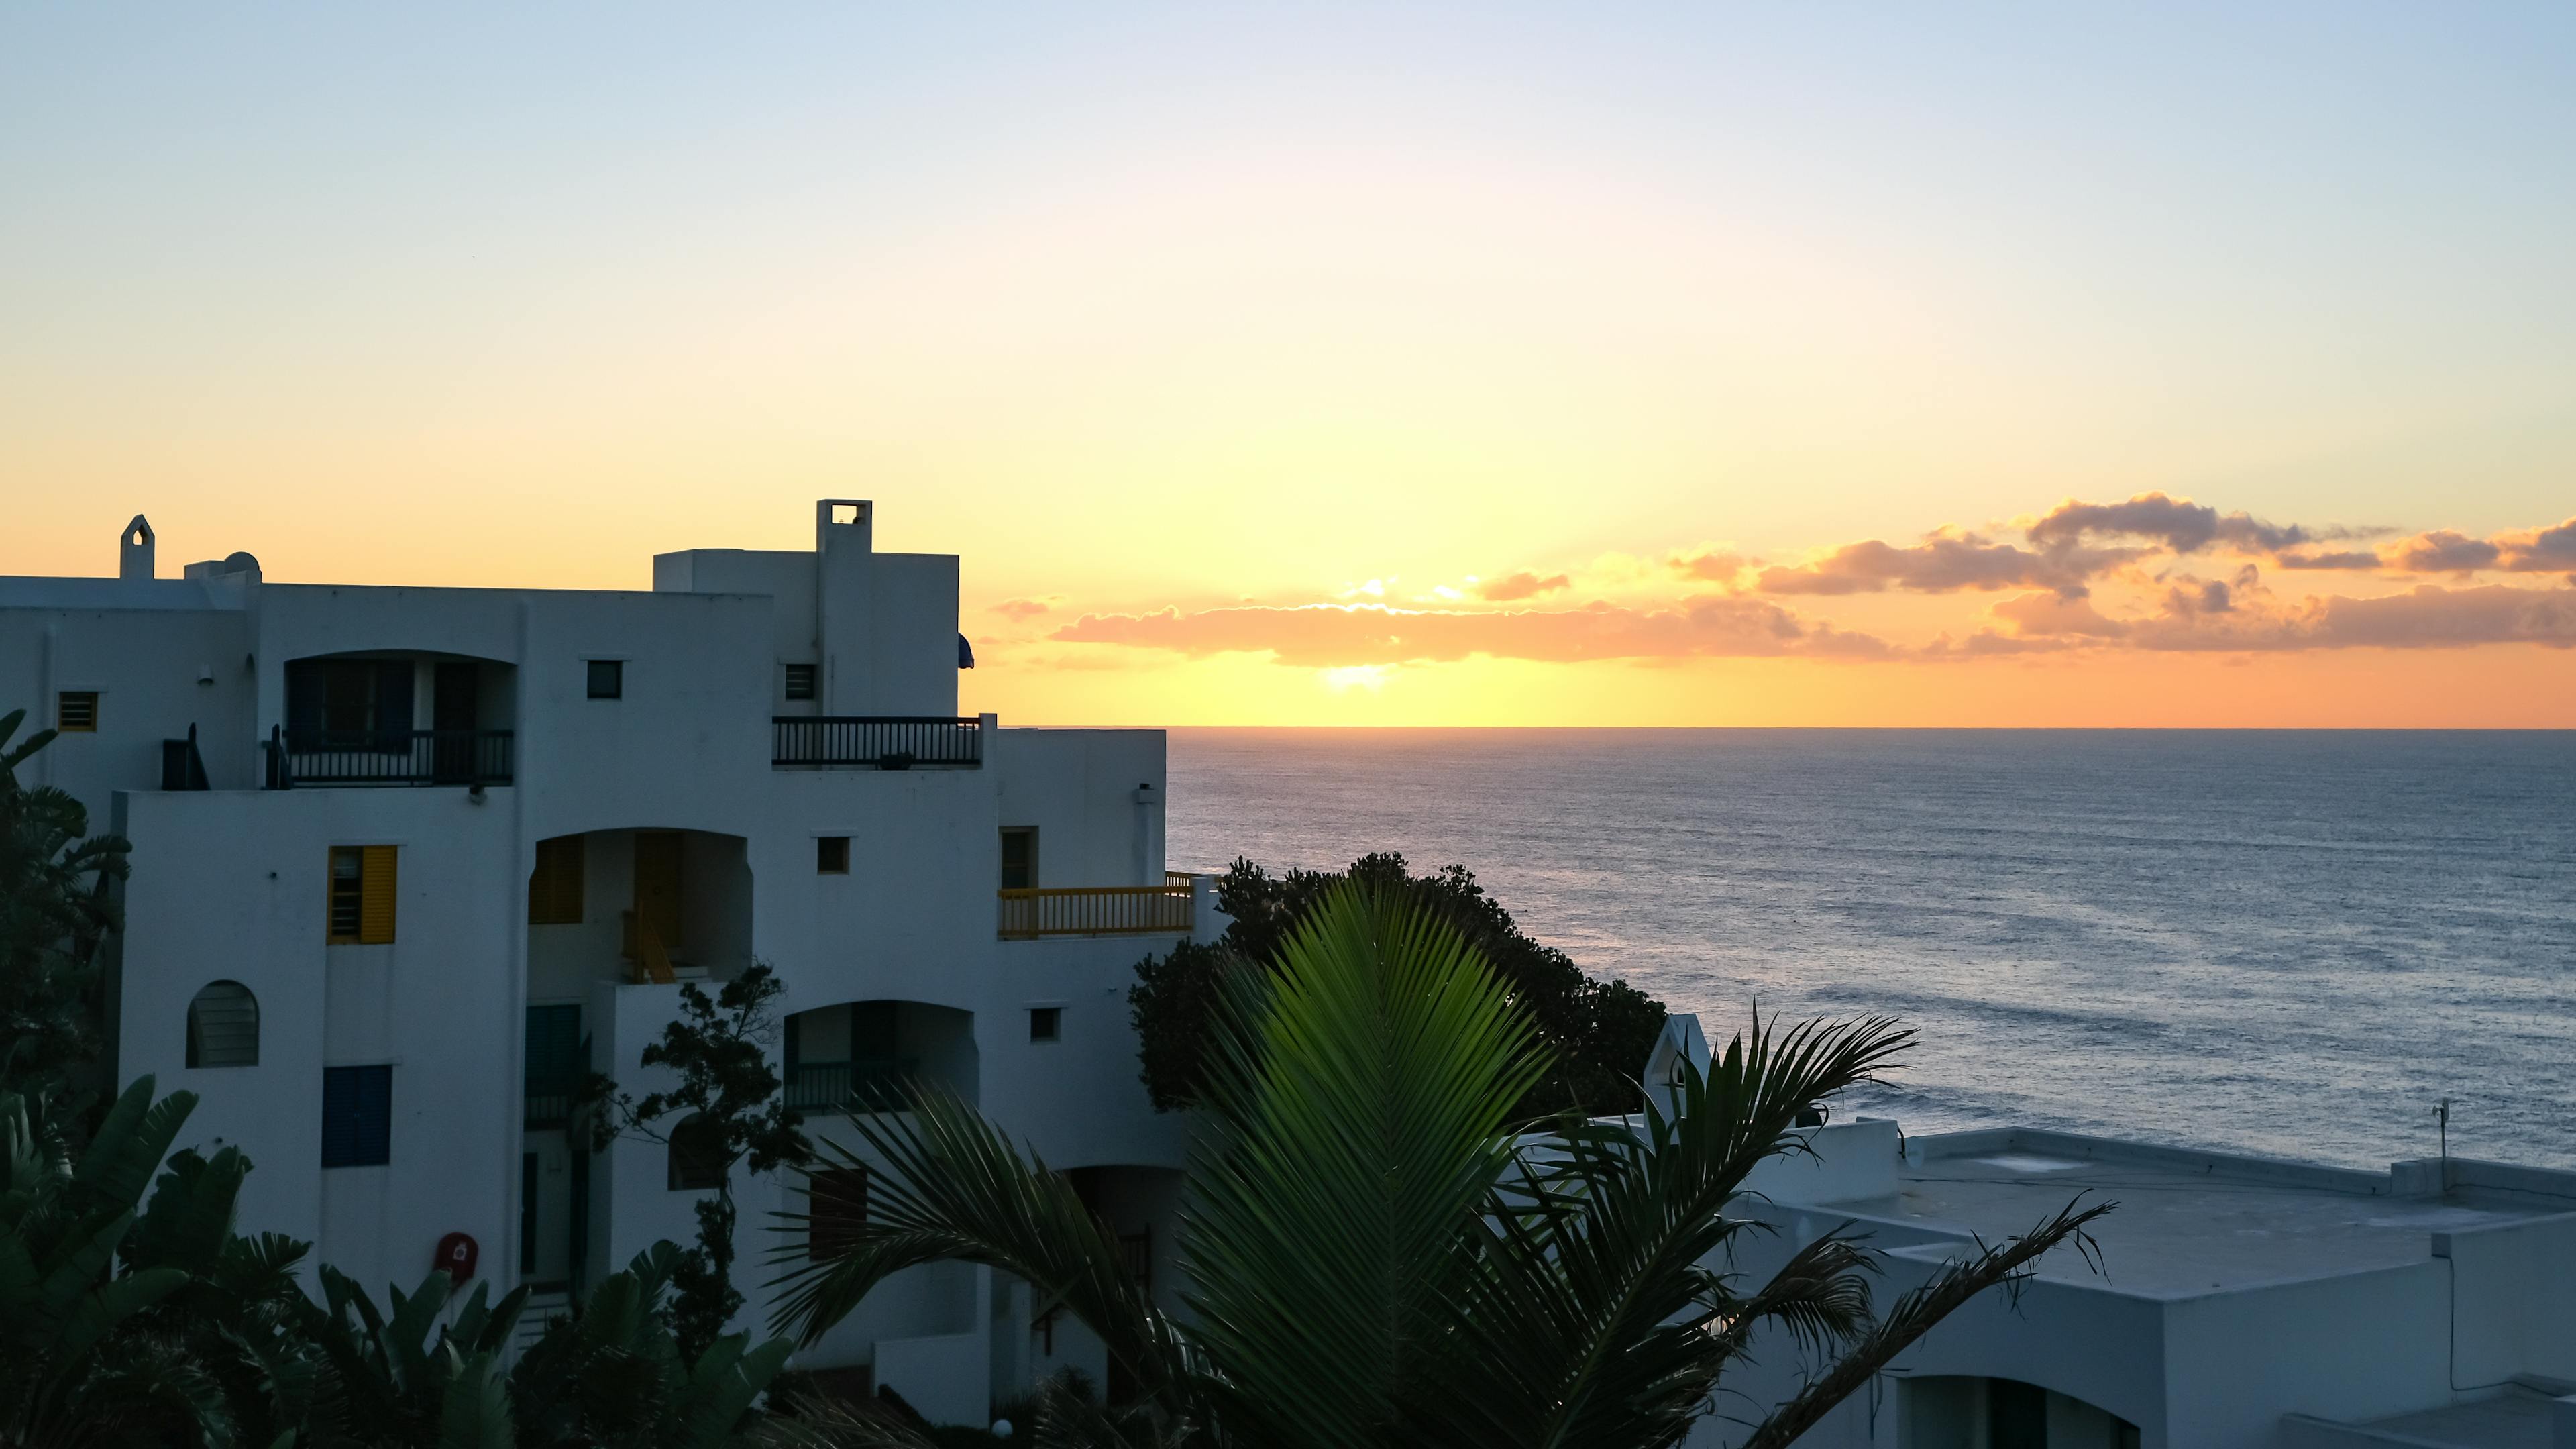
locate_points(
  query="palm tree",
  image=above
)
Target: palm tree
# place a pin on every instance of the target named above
(56, 912)
(1375, 1259)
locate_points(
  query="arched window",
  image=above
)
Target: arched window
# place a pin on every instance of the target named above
(223, 1026)
(697, 1154)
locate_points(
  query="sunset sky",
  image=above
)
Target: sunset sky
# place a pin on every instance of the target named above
(1314, 364)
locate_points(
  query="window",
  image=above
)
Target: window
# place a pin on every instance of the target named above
(800, 681)
(832, 855)
(1046, 1023)
(349, 704)
(357, 1116)
(362, 895)
(223, 1026)
(1020, 858)
(555, 1062)
(608, 679)
(554, 890)
(836, 1207)
(697, 1154)
(76, 711)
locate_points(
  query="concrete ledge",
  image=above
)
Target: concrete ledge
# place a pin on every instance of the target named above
(2299, 1431)
(2231, 1166)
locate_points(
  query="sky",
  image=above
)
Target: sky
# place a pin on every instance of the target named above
(1318, 364)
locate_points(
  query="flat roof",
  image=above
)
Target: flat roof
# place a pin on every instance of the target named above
(2517, 1418)
(2187, 1224)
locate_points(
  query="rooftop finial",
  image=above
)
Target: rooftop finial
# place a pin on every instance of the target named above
(134, 550)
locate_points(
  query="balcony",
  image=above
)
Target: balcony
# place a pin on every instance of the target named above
(1029, 915)
(389, 757)
(878, 742)
(859, 1085)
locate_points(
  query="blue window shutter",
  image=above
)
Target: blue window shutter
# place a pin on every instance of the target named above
(357, 1116)
(555, 1064)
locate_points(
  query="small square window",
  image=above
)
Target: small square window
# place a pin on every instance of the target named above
(76, 712)
(1046, 1023)
(831, 855)
(608, 679)
(800, 681)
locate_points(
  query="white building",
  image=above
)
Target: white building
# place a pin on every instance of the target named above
(406, 860)
(2241, 1303)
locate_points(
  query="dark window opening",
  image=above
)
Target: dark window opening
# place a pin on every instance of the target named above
(832, 855)
(1020, 858)
(608, 679)
(349, 704)
(697, 1154)
(76, 712)
(357, 1116)
(1046, 1023)
(836, 1208)
(800, 681)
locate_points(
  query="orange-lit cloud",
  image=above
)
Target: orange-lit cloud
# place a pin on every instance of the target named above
(1336, 635)
(1944, 563)
(2088, 578)
(1018, 609)
(1522, 585)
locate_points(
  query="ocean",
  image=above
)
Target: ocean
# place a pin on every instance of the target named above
(2290, 943)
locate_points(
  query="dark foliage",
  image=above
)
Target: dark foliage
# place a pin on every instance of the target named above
(718, 1046)
(56, 913)
(1598, 1031)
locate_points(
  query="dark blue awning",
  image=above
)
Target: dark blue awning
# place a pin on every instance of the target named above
(965, 653)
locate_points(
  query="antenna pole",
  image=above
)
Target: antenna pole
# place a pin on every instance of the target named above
(2443, 1112)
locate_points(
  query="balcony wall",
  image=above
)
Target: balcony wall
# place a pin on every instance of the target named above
(715, 916)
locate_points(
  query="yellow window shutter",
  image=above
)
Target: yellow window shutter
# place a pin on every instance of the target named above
(376, 896)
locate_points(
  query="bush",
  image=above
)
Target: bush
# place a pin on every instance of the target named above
(1600, 1030)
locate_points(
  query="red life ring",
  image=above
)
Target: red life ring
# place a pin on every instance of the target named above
(456, 1254)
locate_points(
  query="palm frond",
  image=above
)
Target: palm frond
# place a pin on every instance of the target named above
(1916, 1313)
(1360, 1107)
(946, 1185)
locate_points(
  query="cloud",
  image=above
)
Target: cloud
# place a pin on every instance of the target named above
(2175, 523)
(2448, 551)
(1943, 563)
(2428, 617)
(1326, 636)
(2541, 550)
(2441, 551)
(1017, 609)
(2047, 615)
(1714, 564)
(1522, 585)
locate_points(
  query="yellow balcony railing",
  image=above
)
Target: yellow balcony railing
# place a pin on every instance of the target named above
(1027, 915)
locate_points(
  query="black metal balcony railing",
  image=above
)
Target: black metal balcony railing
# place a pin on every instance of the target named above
(886, 742)
(389, 757)
(866, 1084)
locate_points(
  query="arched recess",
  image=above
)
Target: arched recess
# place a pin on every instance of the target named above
(223, 1026)
(697, 1154)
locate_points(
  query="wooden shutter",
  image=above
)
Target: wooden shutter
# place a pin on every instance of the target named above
(836, 1210)
(554, 891)
(376, 895)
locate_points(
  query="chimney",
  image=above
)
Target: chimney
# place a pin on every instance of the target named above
(843, 523)
(134, 550)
